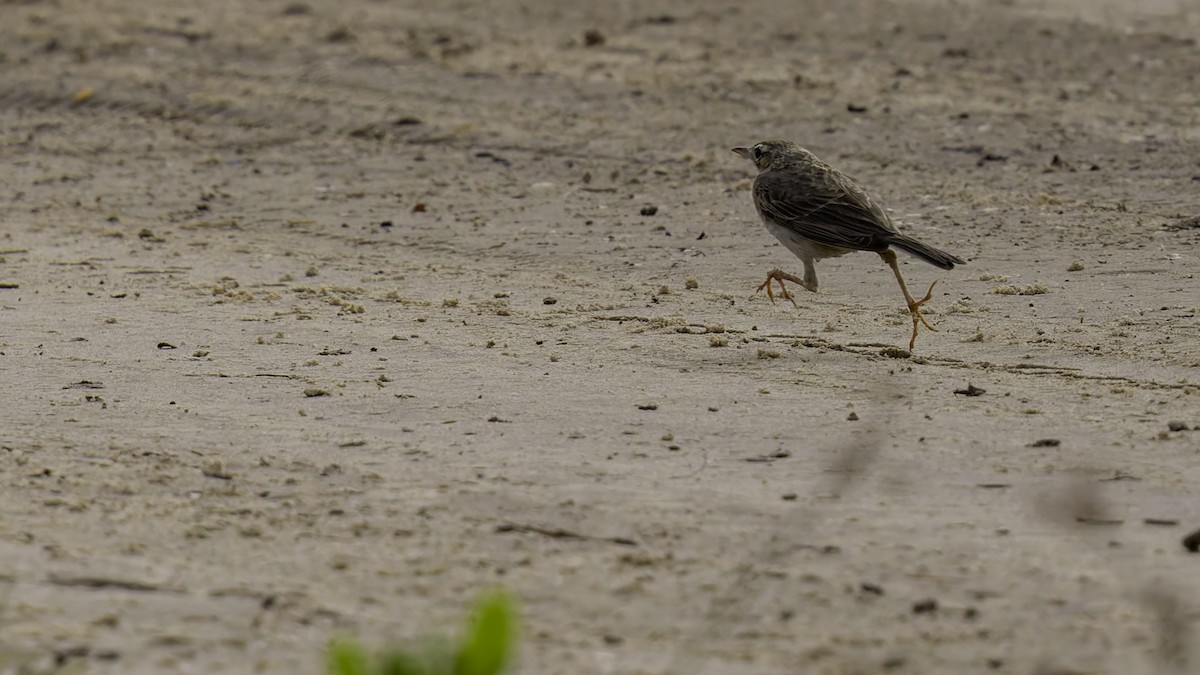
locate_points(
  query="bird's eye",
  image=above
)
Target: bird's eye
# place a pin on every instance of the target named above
(757, 151)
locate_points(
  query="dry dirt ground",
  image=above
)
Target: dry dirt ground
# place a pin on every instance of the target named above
(319, 317)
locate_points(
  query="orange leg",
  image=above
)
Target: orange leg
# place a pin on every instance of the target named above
(781, 276)
(914, 306)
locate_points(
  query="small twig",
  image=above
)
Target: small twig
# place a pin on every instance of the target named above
(560, 533)
(107, 583)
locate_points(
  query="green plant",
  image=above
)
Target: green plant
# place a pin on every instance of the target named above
(485, 648)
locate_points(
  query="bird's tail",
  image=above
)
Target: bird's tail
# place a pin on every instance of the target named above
(926, 252)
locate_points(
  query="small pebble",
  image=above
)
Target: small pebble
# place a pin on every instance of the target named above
(925, 607)
(1192, 541)
(873, 589)
(971, 390)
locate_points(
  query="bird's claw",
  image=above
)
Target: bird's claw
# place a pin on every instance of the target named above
(914, 309)
(779, 276)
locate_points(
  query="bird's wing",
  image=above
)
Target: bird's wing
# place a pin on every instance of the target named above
(825, 207)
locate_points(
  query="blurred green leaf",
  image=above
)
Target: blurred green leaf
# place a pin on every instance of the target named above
(347, 657)
(399, 662)
(429, 656)
(487, 645)
(484, 649)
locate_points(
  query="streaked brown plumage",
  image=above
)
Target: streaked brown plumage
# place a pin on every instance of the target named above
(819, 212)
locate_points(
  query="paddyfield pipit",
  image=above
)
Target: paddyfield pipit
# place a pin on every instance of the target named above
(818, 212)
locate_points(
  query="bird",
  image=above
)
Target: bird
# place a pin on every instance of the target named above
(816, 211)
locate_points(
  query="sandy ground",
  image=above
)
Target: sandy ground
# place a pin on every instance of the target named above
(320, 317)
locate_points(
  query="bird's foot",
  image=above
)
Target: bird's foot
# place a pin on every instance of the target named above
(914, 309)
(780, 276)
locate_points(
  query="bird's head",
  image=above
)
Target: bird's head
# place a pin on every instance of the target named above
(773, 154)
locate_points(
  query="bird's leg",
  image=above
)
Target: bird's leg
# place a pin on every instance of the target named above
(781, 276)
(914, 306)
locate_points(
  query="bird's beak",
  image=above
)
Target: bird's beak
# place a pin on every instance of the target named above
(744, 152)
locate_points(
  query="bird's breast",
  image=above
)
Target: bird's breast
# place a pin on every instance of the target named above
(801, 246)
